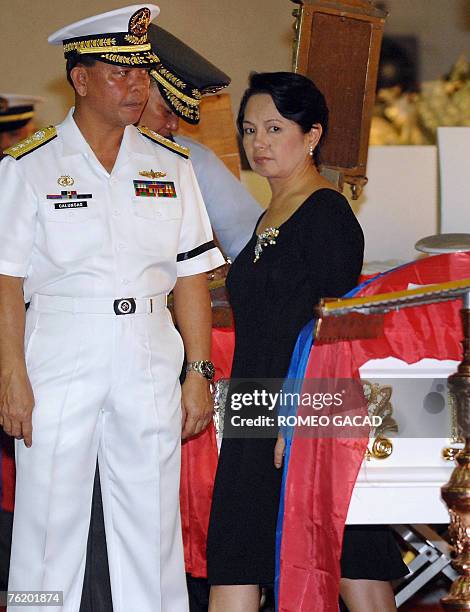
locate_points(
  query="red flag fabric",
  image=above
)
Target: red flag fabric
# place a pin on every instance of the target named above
(322, 472)
(198, 467)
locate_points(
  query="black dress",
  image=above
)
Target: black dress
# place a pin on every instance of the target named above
(318, 252)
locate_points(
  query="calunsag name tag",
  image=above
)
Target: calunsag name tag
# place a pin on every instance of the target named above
(62, 205)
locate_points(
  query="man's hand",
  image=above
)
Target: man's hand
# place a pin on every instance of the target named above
(16, 405)
(197, 404)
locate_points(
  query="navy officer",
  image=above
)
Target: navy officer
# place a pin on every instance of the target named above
(99, 221)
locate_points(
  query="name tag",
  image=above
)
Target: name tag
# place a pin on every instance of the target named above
(155, 189)
(61, 205)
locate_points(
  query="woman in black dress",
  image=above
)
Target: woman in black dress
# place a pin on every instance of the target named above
(308, 244)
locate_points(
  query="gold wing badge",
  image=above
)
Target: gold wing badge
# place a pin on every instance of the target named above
(152, 174)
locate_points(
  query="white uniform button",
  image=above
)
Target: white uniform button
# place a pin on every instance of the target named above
(158, 214)
(116, 212)
(122, 246)
(125, 281)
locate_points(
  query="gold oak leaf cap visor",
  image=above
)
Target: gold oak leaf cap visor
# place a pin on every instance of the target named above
(183, 76)
(16, 110)
(117, 37)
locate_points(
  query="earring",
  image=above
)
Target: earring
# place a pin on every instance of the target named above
(310, 150)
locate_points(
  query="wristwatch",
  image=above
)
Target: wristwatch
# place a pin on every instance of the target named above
(203, 367)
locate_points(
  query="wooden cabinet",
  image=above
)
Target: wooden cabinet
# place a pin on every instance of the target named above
(338, 46)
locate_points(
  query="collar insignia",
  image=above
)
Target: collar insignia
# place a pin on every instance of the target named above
(152, 174)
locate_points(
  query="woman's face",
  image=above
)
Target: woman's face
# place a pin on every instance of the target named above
(275, 146)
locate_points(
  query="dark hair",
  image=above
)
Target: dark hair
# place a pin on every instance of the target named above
(296, 98)
(75, 60)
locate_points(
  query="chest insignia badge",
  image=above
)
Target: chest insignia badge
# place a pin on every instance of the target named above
(65, 181)
(152, 174)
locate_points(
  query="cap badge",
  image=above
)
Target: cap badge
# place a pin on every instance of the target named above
(152, 174)
(3, 105)
(65, 181)
(139, 22)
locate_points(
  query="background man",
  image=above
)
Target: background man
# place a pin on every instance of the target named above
(101, 369)
(16, 118)
(232, 210)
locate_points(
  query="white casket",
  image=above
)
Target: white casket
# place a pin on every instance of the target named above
(405, 486)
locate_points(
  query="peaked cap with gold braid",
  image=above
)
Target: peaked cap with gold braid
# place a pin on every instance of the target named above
(183, 76)
(16, 110)
(116, 37)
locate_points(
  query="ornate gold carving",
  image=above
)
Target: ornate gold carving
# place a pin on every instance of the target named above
(456, 493)
(381, 448)
(378, 401)
(139, 22)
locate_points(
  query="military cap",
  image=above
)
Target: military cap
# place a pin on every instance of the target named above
(16, 110)
(116, 37)
(183, 75)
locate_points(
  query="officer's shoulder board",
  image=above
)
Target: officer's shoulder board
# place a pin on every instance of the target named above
(33, 142)
(164, 142)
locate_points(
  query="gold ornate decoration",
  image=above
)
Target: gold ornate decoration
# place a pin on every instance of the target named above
(182, 109)
(170, 77)
(131, 60)
(456, 493)
(86, 46)
(449, 453)
(32, 142)
(115, 49)
(135, 40)
(139, 22)
(379, 404)
(152, 174)
(65, 181)
(165, 142)
(158, 76)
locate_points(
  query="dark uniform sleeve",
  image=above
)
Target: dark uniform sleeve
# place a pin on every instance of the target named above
(333, 243)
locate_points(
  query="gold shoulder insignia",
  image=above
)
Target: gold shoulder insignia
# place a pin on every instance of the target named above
(31, 143)
(164, 142)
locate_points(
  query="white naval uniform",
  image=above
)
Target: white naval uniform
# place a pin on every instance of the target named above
(103, 384)
(233, 211)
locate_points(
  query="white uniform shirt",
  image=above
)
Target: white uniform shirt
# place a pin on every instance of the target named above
(232, 210)
(101, 236)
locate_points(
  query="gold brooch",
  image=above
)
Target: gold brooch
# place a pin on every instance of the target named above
(65, 181)
(152, 174)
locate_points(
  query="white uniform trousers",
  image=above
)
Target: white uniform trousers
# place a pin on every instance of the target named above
(106, 386)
